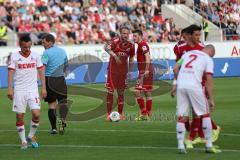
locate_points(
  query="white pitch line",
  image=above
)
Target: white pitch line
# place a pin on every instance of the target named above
(116, 130)
(112, 147)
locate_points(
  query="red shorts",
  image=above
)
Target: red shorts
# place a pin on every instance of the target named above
(144, 83)
(116, 81)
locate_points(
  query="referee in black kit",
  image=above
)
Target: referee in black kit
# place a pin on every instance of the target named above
(55, 61)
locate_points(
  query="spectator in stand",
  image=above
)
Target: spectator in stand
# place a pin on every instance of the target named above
(62, 18)
(3, 34)
(215, 18)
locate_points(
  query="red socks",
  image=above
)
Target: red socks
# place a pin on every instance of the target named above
(109, 102)
(149, 106)
(187, 125)
(194, 128)
(141, 104)
(120, 103)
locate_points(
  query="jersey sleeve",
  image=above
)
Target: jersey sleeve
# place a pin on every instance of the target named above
(113, 43)
(209, 67)
(39, 62)
(176, 52)
(45, 58)
(11, 62)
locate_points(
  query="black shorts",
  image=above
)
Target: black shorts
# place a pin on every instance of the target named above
(56, 89)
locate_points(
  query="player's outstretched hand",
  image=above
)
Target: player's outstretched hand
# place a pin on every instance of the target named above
(173, 92)
(10, 94)
(44, 93)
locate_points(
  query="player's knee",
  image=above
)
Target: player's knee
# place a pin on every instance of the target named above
(35, 115)
(52, 105)
(148, 95)
(120, 92)
(19, 117)
(137, 93)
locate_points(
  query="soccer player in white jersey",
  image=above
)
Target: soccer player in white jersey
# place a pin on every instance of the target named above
(23, 69)
(189, 71)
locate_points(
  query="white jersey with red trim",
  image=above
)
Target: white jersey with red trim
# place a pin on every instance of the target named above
(25, 76)
(195, 64)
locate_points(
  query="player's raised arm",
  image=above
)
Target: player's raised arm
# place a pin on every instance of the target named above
(108, 48)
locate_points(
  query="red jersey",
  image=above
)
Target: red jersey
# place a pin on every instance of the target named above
(142, 49)
(124, 50)
(181, 47)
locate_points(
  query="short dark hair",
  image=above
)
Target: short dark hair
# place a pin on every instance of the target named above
(25, 38)
(184, 30)
(192, 28)
(138, 31)
(49, 38)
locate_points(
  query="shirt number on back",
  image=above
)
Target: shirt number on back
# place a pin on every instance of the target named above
(193, 57)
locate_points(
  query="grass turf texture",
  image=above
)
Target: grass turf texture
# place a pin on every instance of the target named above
(98, 139)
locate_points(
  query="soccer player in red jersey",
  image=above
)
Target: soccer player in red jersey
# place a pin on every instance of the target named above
(145, 76)
(192, 42)
(121, 52)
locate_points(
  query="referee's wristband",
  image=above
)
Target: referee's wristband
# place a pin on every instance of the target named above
(174, 82)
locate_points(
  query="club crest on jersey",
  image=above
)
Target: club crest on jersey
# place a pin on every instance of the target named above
(144, 48)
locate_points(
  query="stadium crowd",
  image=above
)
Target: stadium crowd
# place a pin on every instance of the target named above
(84, 22)
(225, 14)
(95, 21)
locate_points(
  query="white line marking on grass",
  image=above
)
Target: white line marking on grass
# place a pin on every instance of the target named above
(116, 130)
(112, 147)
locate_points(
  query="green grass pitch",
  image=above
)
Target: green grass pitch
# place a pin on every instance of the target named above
(98, 139)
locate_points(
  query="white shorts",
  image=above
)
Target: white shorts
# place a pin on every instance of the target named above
(187, 98)
(23, 99)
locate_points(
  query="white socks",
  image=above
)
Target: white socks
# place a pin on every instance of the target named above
(207, 129)
(33, 129)
(21, 132)
(180, 134)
